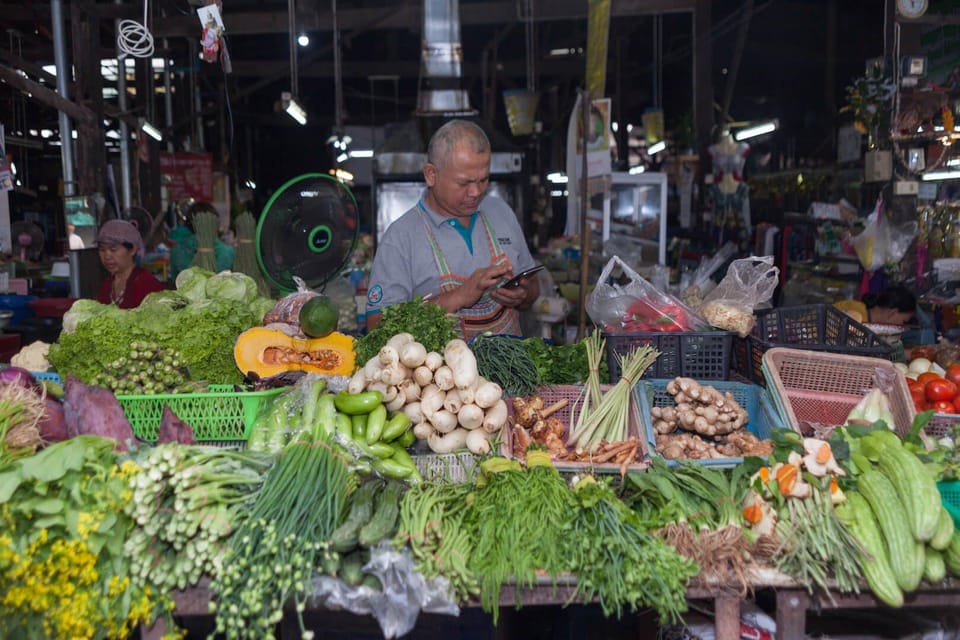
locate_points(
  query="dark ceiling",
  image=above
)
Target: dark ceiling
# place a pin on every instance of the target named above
(796, 58)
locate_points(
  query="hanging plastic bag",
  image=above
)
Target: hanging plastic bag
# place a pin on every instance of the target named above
(882, 242)
(637, 306)
(749, 283)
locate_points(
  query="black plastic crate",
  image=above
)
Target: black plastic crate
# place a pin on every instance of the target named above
(816, 327)
(703, 355)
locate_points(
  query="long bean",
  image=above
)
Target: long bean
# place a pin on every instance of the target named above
(505, 360)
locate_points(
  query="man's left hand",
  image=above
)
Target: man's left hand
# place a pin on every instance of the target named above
(520, 297)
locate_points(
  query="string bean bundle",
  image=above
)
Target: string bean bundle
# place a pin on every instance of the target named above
(206, 226)
(618, 562)
(507, 362)
(518, 522)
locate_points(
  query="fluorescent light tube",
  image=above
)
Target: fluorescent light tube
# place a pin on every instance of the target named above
(152, 131)
(941, 175)
(295, 111)
(557, 178)
(361, 153)
(657, 147)
(756, 130)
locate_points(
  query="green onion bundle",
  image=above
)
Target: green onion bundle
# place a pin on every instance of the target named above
(245, 260)
(507, 362)
(206, 225)
(272, 556)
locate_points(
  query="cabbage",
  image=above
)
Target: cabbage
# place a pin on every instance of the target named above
(261, 306)
(192, 283)
(81, 310)
(229, 285)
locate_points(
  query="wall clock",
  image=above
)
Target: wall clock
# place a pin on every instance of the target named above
(912, 8)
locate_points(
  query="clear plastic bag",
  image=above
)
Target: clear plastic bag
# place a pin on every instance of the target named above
(881, 242)
(749, 283)
(637, 306)
(404, 594)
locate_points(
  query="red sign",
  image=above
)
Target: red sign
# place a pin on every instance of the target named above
(187, 175)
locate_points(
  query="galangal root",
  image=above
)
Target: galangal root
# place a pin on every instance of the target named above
(700, 409)
(704, 424)
(533, 424)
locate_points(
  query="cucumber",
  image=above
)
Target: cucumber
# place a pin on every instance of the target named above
(346, 536)
(934, 567)
(396, 426)
(951, 555)
(372, 581)
(941, 539)
(855, 513)
(383, 524)
(900, 543)
(376, 421)
(917, 490)
(351, 569)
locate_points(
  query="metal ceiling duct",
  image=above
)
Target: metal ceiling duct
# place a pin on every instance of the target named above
(440, 92)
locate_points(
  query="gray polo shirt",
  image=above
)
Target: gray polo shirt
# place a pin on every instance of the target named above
(404, 265)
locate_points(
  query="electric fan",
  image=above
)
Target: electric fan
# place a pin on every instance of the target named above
(308, 229)
(27, 240)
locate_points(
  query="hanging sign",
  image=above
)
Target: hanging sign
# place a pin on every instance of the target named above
(187, 175)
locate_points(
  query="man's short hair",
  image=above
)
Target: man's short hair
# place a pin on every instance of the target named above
(450, 135)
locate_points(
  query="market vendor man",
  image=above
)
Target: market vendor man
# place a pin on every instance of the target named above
(458, 244)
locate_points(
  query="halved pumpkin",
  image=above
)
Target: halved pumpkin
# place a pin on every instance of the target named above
(268, 352)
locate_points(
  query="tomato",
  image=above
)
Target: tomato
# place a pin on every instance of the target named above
(953, 374)
(940, 389)
(929, 376)
(918, 395)
(927, 351)
(920, 406)
(914, 385)
(956, 405)
(943, 406)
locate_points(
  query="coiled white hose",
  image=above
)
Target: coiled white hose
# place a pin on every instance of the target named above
(133, 38)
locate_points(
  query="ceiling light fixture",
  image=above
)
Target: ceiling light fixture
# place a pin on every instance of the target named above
(758, 129)
(361, 153)
(151, 131)
(657, 147)
(941, 175)
(293, 108)
(342, 157)
(557, 178)
(303, 40)
(342, 175)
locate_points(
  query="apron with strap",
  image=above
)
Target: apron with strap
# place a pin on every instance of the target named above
(487, 314)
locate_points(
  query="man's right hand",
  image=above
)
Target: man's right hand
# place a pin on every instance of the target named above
(470, 292)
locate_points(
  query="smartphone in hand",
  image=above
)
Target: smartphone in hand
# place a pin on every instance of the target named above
(515, 281)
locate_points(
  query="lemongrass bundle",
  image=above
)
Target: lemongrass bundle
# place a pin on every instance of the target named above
(206, 225)
(608, 418)
(246, 257)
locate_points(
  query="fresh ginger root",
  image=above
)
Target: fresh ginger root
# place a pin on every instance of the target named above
(700, 408)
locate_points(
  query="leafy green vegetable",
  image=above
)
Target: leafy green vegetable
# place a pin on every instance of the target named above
(192, 283)
(202, 329)
(504, 360)
(228, 285)
(561, 364)
(428, 323)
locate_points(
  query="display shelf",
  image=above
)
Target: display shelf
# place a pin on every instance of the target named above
(793, 602)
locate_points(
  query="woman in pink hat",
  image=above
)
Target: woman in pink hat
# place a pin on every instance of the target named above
(119, 244)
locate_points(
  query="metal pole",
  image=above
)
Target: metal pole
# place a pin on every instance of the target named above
(167, 96)
(125, 191)
(63, 78)
(584, 223)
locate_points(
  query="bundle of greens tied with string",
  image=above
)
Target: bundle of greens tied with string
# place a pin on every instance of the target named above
(287, 534)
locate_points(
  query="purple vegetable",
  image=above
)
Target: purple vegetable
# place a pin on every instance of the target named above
(16, 375)
(96, 411)
(173, 429)
(52, 426)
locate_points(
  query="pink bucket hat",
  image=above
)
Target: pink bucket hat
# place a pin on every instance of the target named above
(120, 232)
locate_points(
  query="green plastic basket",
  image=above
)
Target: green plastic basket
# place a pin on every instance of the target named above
(220, 415)
(950, 496)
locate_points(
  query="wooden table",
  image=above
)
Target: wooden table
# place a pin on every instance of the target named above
(792, 602)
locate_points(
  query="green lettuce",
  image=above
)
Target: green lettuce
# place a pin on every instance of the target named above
(229, 285)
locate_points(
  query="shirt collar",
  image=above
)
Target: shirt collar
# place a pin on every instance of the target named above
(438, 219)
